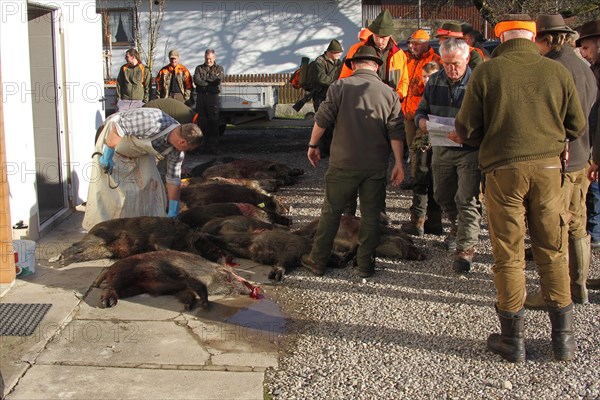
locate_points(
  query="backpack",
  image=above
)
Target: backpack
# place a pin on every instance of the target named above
(305, 76)
(295, 79)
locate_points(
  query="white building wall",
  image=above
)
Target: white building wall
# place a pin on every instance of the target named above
(82, 88)
(252, 37)
(80, 84)
(17, 96)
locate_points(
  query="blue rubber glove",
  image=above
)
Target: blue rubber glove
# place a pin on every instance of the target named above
(106, 161)
(173, 208)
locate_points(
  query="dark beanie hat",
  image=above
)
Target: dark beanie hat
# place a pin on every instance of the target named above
(335, 47)
(383, 25)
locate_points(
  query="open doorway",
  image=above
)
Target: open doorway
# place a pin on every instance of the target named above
(51, 185)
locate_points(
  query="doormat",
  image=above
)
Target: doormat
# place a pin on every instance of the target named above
(21, 319)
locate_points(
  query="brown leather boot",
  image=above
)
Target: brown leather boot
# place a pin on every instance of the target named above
(462, 260)
(308, 263)
(510, 343)
(415, 227)
(579, 268)
(563, 339)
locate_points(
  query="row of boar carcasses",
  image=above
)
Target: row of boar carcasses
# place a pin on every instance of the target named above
(228, 211)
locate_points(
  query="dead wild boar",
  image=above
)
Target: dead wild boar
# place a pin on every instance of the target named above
(254, 169)
(199, 169)
(263, 186)
(123, 237)
(279, 248)
(196, 195)
(196, 217)
(236, 224)
(393, 242)
(187, 276)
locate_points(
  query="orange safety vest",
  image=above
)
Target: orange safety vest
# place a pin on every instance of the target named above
(396, 69)
(415, 83)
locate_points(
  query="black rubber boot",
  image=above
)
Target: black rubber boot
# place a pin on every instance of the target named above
(563, 339)
(510, 343)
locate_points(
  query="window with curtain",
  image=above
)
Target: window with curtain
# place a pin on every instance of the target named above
(117, 27)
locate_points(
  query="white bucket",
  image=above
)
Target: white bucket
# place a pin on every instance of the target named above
(24, 257)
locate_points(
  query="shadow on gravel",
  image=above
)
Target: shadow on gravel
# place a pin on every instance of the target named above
(460, 347)
(410, 283)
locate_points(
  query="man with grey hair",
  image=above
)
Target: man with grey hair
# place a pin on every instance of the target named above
(368, 126)
(125, 180)
(456, 176)
(521, 117)
(207, 78)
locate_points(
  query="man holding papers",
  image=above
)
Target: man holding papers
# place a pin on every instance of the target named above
(456, 175)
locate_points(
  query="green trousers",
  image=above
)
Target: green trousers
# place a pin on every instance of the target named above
(340, 186)
(456, 187)
(528, 190)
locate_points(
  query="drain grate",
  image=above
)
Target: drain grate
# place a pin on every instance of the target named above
(21, 319)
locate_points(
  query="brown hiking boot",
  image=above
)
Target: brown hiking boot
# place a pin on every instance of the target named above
(462, 260)
(415, 227)
(308, 263)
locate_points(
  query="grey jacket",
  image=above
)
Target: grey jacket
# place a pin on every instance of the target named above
(366, 113)
(585, 83)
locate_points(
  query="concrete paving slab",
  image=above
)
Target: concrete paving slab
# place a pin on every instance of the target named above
(125, 343)
(254, 360)
(137, 308)
(80, 350)
(64, 290)
(75, 382)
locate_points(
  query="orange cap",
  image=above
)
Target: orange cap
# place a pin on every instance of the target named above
(504, 26)
(419, 36)
(364, 34)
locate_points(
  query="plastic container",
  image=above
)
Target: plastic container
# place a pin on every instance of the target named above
(24, 257)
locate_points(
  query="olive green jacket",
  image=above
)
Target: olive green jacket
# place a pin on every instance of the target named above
(133, 83)
(519, 106)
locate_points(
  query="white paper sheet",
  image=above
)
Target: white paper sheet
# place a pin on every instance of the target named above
(438, 128)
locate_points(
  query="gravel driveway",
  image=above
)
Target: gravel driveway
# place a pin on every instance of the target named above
(416, 329)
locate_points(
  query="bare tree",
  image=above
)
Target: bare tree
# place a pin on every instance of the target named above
(147, 25)
(580, 10)
(106, 41)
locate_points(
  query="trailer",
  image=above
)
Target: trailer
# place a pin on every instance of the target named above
(247, 101)
(241, 102)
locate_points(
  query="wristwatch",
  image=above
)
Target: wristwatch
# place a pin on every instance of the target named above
(313, 146)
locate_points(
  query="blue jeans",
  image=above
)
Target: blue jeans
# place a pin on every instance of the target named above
(592, 202)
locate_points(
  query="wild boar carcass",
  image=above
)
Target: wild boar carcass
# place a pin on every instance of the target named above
(187, 276)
